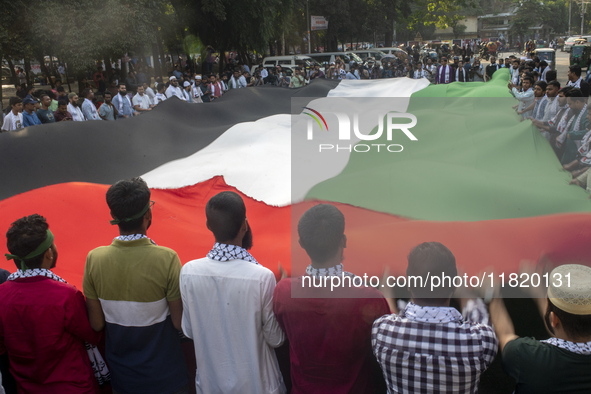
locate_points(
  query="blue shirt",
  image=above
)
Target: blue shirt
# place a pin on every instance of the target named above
(89, 110)
(30, 120)
(123, 105)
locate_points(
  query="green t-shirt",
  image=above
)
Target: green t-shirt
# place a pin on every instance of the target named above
(45, 116)
(132, 271)
(540, 368)
(298, 82)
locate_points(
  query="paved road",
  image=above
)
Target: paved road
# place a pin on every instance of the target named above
(561, 65)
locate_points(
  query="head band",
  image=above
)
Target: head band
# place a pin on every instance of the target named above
(134, 217)
(38, 250)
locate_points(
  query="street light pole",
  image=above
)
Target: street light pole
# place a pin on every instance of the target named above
(583, 9)
(308, 17)
(570, 7)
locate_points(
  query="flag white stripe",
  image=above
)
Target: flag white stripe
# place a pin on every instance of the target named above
(256, 157)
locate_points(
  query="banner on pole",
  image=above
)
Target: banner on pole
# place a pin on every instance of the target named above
(319, 23)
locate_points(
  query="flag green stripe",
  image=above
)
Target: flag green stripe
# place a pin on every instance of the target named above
(473, 161)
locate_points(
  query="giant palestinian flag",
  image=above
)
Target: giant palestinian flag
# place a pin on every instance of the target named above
(476, 179)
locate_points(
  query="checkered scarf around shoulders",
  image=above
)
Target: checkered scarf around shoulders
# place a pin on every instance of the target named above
(225, 252)
(99, 367)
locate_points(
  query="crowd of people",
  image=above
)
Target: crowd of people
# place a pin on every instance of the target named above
(236, 313)
(111, 97)
(121, 98)
(560, 113)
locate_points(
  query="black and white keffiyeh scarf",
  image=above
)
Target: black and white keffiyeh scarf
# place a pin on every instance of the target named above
(431, 314)
(133, 237)
(562, 137)
(224, 252)
(337, 270)
(19, 274)
(578, 348)
(99, 367)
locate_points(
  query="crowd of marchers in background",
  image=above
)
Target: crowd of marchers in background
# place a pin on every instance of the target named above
(559, 112)
(351, 338)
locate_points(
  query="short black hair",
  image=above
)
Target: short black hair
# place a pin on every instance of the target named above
(321, 229)
(530, 79)
(127, 198)
(576, 69)
(551, 75)
(543, 63)
(554, 83)
(15, 100)
(107, 92)
(577, 327)
(431, 258)
(225, 213)
(542, 85)
(86, 92)
(24, 236)
(62, 102)
(566, 91)
(575, 93)
(44, 95)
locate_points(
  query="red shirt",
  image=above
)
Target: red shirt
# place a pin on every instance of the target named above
(329, 338)
(43, 326)
(59, 117)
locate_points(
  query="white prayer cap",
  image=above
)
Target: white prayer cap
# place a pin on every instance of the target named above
(570, 288)
(187, 83)
(171, 78)
(197, 76)
(523, 58)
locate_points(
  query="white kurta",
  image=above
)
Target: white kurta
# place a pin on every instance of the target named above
(228, 311)
(525, 100)
(142, 101)
(175, 91)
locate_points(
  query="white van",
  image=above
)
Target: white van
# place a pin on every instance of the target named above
(326, 58)
(365, 53)
(290, 62)
(399, 53)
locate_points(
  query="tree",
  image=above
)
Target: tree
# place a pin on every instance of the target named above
(13, 42)
(458, 29)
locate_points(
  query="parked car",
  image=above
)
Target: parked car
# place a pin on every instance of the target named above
(326, 58)
(568, 44)
(364, 54)
(399, 53)
(290, 62)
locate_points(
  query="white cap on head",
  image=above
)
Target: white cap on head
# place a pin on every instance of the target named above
(197, 76)
(570, 288)
(171, 78)
(187, 83)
